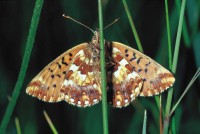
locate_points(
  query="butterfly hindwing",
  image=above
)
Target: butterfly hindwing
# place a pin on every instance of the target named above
(125, 80)
(155, 78)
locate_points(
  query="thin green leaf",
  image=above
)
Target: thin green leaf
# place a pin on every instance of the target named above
(174, 65)
(103, 71)
(24, 65)
(54, 131)
(185, 33)
(17, 126)
(168, 34)
(144, 128)
(133, 26)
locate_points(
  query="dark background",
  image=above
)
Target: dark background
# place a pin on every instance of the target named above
(56, 35)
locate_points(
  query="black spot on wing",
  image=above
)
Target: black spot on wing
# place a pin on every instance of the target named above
(58, 75)
(54, 85)
(63, 61)
(134, 57)
(138, 61)
(59, 66)
(50, 70)
(147, 64)
(145, 70)
(64, 72)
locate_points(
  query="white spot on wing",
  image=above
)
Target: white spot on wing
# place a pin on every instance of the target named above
(132, 75)
(73, 67)
(126, 100)
(66, 97)
(115, 50)
(51, 99)
(95, 101)
(137, 90)
(80, 53)
(79, 102)
(117, 73)
(71, 100)
(118, 103)
(132, 95)
(123, 62)
(68, 82)
(82, 76)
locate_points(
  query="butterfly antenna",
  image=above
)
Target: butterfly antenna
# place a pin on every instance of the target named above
(111, 23)
(68, 17)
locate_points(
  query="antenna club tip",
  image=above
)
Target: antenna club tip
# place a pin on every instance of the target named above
(65, 16)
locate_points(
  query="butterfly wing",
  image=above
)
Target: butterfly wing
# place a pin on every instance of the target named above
(126, 83)
(67, 78)
(156, 78)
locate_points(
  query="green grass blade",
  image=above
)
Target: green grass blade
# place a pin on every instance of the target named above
(24, 65)
(161, 115)
(17, 126)
(186, 90)
(185, 32)
(133, 26)
(103, 71)
(168, 34)
(178, 38)
(174, 65)
(54, 131)
(144, 128)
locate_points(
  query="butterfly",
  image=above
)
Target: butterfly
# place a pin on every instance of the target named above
(75, 76)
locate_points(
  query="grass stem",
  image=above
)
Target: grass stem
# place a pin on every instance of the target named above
(103, 71)
(24, 66)
(174, 65)
(144, 128)
(17, 126)
(54, 131)
(133, 27)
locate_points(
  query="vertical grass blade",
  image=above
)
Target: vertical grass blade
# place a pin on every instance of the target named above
(24, 65)
(144, 128)
(185, 32)
(17, 126)
(168, 34)
(54, 131)
(133, 26)
(103, 71)
(178, 37)
(161, 116)
(174, 65)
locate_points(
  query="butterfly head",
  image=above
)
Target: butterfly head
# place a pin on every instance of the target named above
(96, 38)
(94, 45)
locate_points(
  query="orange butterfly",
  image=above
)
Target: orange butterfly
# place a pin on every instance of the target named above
(75, 76)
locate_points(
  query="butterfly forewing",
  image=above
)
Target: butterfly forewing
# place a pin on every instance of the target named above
(155, 78)
(62, 80)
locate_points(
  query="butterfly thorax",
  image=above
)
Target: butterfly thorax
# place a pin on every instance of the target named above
(94, 48)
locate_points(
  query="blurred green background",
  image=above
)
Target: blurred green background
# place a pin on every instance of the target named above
(56, 35)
